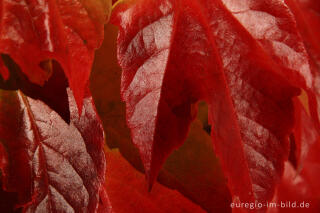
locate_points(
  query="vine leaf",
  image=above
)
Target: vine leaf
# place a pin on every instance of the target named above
(52, 165)
(241, 57)
(68, 31)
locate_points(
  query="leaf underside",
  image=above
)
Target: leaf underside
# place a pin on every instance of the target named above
(244, 58)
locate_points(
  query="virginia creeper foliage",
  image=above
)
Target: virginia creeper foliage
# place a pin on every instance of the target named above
(216, 101)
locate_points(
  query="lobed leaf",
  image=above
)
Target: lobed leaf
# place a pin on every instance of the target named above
(241, 57)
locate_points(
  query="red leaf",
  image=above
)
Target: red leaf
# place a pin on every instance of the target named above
(307, 15)
(64, 30)
(128, 192)
(53, 166)
(193, 169)
(236, 55)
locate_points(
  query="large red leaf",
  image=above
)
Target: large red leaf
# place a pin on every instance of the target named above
(236, 55)
(307, 15)
(65, 30)
(193, 169)
(53, 166)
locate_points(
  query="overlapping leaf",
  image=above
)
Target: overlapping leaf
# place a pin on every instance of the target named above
(193, 169)
(65, 30)
(53, 166)
(242, 57)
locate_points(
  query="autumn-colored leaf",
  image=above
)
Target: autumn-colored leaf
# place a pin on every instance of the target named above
(53, 166)
(129, 193)
(241, 57)
(68, 31)
(193, 169)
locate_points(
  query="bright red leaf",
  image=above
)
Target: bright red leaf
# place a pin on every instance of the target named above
(53, 166)
(65, 30)
(240, 56)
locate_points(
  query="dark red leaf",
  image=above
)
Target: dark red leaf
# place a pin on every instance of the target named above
(65, 30)
(53, 166)
(236, 55)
